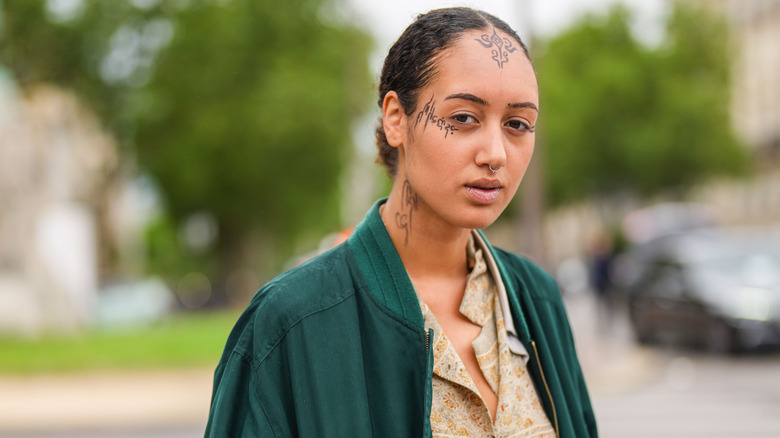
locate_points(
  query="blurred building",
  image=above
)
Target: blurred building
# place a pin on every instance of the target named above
(755, 29)
(56, 169)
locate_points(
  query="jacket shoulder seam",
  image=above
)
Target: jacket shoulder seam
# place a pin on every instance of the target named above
(274, 428)
(272, 346)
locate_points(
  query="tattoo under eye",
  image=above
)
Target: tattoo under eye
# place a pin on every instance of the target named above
(427, 113)
(501, 47)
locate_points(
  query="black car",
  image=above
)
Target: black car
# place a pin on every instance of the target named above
(712, 288)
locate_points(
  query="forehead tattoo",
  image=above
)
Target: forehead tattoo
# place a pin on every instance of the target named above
(500, 47)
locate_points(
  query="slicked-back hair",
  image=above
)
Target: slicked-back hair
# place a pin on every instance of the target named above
(410, 64)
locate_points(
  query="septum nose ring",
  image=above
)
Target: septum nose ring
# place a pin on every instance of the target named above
(490, 166)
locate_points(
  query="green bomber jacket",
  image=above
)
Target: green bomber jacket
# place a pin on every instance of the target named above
(337, 348)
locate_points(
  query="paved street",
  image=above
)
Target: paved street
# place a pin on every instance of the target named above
(644, 392)
(698, 396)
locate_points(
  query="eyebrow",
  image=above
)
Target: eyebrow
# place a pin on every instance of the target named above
(524, 105)
(480, 101)
(468, 96)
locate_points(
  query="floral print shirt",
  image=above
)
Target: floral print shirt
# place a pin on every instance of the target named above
(457, 408)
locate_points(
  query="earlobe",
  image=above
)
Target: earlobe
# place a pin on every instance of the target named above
(393, 117)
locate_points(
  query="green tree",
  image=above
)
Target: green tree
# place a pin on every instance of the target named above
(70, 47)
(239, 109)
(618, 116)
(247, 117)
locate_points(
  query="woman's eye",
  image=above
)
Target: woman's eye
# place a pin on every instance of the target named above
(518, 125)
(464, 118)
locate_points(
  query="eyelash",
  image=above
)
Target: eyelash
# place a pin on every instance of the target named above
(525, 127)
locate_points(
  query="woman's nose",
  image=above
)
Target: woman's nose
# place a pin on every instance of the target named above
(492, 151)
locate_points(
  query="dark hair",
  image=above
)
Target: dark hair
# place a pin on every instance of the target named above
(411, 62)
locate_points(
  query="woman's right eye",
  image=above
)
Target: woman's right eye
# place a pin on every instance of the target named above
(464, 118)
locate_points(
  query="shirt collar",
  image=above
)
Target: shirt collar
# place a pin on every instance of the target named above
(515, 346)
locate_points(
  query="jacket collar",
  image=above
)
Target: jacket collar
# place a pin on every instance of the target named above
(382, 269)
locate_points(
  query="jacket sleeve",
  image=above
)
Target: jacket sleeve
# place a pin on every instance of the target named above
(542, 308)
(581, 405)
(581, 419)
(235, 410)
(588, 414)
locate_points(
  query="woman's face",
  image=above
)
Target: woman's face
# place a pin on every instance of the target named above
(479, 110)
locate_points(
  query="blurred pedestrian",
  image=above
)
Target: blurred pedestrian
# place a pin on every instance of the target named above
(416, 325)
(601, 256)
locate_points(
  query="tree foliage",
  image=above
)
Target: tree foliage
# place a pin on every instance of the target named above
(619, 116)
(237, 108)
(253, 125)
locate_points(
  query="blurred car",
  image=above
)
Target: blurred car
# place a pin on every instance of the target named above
(719, 289)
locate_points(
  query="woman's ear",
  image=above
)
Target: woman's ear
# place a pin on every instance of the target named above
(393, 119)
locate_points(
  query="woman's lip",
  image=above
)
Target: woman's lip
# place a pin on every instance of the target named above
(485, 183)
(483, 195)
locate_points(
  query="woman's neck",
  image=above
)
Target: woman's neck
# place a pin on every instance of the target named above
(428, 247)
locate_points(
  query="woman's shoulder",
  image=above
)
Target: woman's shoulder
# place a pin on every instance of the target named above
(313, 287)
(315, 283)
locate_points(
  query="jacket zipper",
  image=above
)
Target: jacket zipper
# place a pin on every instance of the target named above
(546, 387)
(428, 389)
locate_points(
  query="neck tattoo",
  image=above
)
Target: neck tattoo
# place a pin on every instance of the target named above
(403, 218)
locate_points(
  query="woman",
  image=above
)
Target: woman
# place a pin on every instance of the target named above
(417, 326)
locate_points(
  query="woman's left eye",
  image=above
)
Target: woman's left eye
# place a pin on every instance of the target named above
(518, 125)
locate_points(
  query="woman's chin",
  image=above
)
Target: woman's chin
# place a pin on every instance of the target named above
(481, 219)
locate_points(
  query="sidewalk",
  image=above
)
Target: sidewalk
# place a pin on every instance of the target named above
(610, 358)
(105, 401)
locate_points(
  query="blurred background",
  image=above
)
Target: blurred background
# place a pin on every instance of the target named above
(161, 159)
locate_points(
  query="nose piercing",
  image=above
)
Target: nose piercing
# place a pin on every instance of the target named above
(493, 170)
